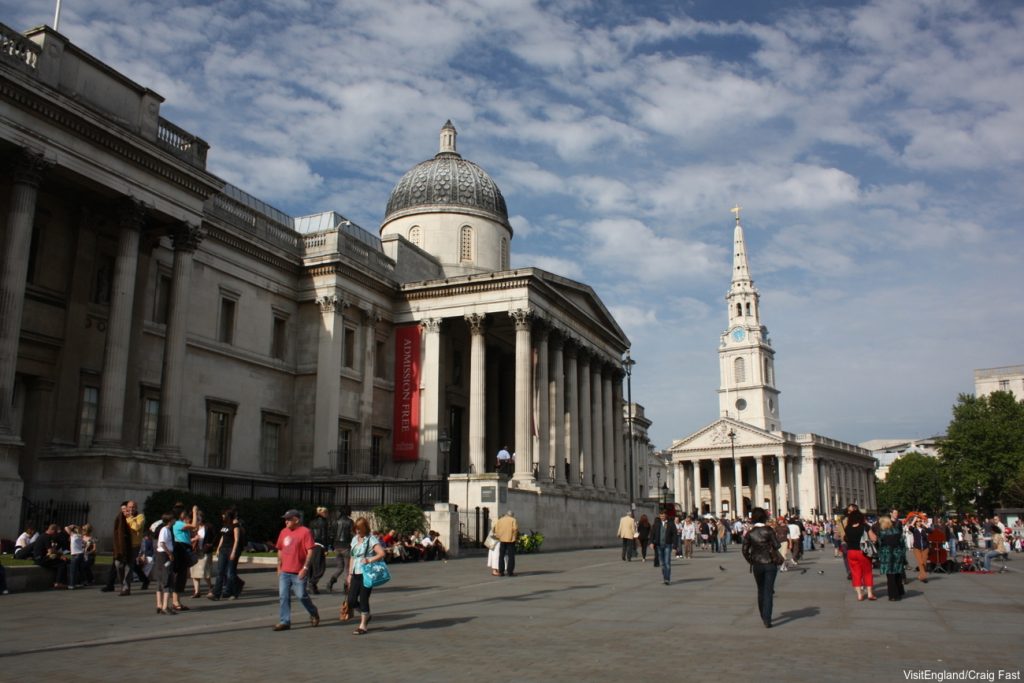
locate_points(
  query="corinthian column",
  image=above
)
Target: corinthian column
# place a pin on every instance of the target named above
(597, 423)
(558, 413)
(586, 418)
(110, 417)
(186, 240)
(619, 457)
(27, 173)
(572, 414)
(328, 383)
(430, 398)
(610, 474)
(477, 393)
(524, 407)
(543, 415)
(716, 495)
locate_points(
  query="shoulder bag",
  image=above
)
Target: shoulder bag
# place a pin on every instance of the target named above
(867, 546)
(376, 573)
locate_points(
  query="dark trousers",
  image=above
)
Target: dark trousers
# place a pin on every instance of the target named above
(507, 558)
(59, 566)
(894, 586)
(317, 566)
(643, 547)
(227, 583)
(764, 577)
(657, 563)
(628, 548)
(358, 595)
(182, 563)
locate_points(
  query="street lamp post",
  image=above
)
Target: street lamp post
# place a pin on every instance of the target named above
(444, 444)
(627, 365)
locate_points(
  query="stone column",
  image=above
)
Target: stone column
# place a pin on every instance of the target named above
(27, 174)
(557, 406)
(586, 419)
(812, 486)
(757, 500)
(186, 240)
(369, 330)
(430, 395)
(737, 473)
(608, 415)
(572, 414)
(543, 406)
(328, 383)
(477, 393)
(844, 486)
(696, 485)
(597, 422)
(783, 492)
(620, 456)
(716, 494)
(872, 503)
(110, 415)
(794, 484)
(678, 482)
(524, 402)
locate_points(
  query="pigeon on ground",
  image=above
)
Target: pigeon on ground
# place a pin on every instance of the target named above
(821, 571)
(803, 571)
(721, 568)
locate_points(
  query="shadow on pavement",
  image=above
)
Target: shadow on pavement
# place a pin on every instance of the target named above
(793, 615)
(435, 623)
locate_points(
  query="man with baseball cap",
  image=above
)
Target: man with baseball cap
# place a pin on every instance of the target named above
(294, 544)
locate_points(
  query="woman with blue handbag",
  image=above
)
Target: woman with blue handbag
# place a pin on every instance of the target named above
(366, 553)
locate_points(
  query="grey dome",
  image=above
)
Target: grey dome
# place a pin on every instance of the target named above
(447, 183)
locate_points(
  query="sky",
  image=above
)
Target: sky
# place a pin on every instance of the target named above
(877, 150)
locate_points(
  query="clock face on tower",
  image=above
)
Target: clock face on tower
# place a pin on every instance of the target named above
(738, 334)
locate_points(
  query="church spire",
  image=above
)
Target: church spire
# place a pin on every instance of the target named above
(740, 268)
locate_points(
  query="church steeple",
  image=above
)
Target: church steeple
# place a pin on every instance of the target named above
(745, 353)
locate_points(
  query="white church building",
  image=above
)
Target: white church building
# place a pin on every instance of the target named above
(745, 459)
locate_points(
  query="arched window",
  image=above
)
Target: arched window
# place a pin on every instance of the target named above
(416, 235)
(739, 310)
(504, 253)
(739, 370)
(748, 308)
(466, 243)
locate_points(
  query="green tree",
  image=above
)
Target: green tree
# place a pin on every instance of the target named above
(983, 451)
(402, 517)
(914, 482)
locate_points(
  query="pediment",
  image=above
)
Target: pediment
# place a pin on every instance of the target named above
(716, 435)
(581, 298)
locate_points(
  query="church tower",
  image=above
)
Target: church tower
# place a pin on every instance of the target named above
(745, 353)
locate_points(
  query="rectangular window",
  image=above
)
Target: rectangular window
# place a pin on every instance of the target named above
(376, 450)
(270, 446)
(380, 361)
(219, 420)
(150, 417)
(350, 348)
(87, 416)
(162, 300)
(277, 339)
(344, 460)
(226, 332)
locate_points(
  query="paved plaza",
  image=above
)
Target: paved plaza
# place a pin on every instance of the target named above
(567, 616)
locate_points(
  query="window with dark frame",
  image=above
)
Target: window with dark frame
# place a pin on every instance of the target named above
(148, 423)
(278, 337)
(219, 420)
(90, 402)
(226, 332)
(350, 348)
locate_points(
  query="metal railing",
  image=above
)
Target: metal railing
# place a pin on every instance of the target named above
(474, 526)
(42, 513)
(355, 494)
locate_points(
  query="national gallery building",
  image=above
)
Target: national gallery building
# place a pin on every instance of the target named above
(161, 328)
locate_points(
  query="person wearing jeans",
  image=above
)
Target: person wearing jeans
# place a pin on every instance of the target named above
(998, 548)
(228, 548)
(761, 550)
(507, 531)
(293, 565)
(663, 536)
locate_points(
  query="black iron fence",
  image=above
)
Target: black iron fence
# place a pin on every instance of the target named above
(474, 526)
(42, 513)
(355, 494)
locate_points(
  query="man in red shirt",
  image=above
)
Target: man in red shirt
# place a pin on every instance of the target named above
(293, 558)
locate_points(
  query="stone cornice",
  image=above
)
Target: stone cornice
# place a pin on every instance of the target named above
(352, 273)
(250, 248)
(73, 117)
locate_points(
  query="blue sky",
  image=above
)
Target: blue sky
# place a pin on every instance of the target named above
(877, 149)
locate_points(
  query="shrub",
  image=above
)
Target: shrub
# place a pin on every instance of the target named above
(404, 518)
(529, 543)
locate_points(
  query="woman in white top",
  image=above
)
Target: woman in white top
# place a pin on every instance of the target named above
(163, 565)
(365, 550)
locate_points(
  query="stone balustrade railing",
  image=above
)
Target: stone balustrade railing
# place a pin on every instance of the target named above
(181, 143)
(246, 218)
(16, 48)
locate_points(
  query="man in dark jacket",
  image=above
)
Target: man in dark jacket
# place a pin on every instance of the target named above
(48, 552)
(321, 529)
(663, 538)
(343, 547)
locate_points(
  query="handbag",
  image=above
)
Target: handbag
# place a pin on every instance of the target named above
(344, 614)
(491, 541)
(867, 546)
(376, 573)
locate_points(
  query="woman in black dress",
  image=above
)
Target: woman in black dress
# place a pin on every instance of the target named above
(643, 527)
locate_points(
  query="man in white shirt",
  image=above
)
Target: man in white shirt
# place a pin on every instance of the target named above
(23, 546)
(504, 460)
(794, 539)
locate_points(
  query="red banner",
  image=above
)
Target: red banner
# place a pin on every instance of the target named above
(407, 393)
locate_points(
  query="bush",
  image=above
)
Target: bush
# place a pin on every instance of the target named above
(404, 518)
(261, 518)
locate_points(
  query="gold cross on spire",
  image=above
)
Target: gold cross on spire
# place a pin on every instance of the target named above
(736, 210)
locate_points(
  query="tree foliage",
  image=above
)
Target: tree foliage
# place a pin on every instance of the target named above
(404, 518)
(983, 452)
(914, 482)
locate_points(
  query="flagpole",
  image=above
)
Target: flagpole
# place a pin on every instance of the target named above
(56, 17)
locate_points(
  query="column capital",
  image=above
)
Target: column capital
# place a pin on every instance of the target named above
(331, 303)
(28, 167)
(186, 237)
(556, 341)
(476, 322)
(431, 325)
(131, 213)
(522, 317)
(541, 331)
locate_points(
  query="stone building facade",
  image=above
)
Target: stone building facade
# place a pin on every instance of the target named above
(745, 459)
(158, 325)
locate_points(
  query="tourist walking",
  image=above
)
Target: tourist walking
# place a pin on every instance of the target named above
(203, 544)
(321, 529)
(122, 549)
(507, 531)
(892, 557)
(182, 529)
(294, 553)
(628, 534)
(919, 544)
(229, 547)
(689, 536)
(860, 565)
(365, 549)
(163, 566)
(663, 536)
(342, 547)
(761, 550)
(643, 530)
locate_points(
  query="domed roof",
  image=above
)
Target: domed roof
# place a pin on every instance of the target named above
(447, 183)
